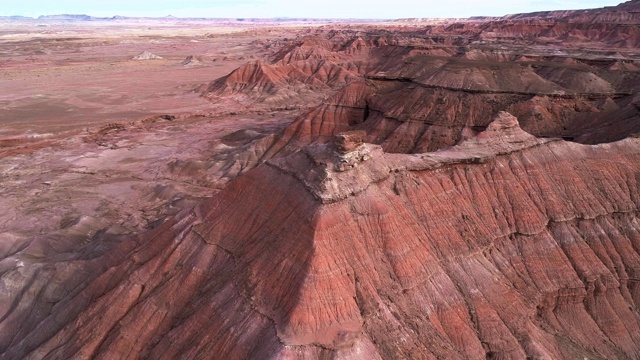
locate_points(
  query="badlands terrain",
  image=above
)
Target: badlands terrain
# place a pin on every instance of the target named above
(304, 189)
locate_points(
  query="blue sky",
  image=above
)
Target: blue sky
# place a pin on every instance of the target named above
(385, 9)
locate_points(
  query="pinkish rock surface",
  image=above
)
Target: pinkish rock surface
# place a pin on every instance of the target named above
(423, 203)
(348, 141)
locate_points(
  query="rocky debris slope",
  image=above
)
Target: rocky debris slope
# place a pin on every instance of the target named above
(505, 246)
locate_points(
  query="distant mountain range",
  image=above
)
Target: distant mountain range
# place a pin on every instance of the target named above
(83, 17)
(63, 17)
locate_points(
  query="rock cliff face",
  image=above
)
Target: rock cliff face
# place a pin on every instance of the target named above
(505, 246)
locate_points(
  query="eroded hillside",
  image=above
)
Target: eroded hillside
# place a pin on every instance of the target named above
(407, 190)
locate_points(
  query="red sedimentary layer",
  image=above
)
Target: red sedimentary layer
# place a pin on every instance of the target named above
(505, 245)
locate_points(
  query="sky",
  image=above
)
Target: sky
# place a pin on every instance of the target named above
(363, 9)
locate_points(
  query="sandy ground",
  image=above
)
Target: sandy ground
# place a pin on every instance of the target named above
(63, 162)
(72, 79)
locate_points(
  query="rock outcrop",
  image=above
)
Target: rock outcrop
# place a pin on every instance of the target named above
(192, 60)
(145, 55)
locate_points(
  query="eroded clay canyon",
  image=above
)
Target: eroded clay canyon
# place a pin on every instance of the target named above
(410, 189)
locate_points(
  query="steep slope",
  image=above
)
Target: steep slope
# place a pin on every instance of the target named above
(343, 251)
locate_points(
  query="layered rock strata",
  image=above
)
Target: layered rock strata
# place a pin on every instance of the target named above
(505, 246)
